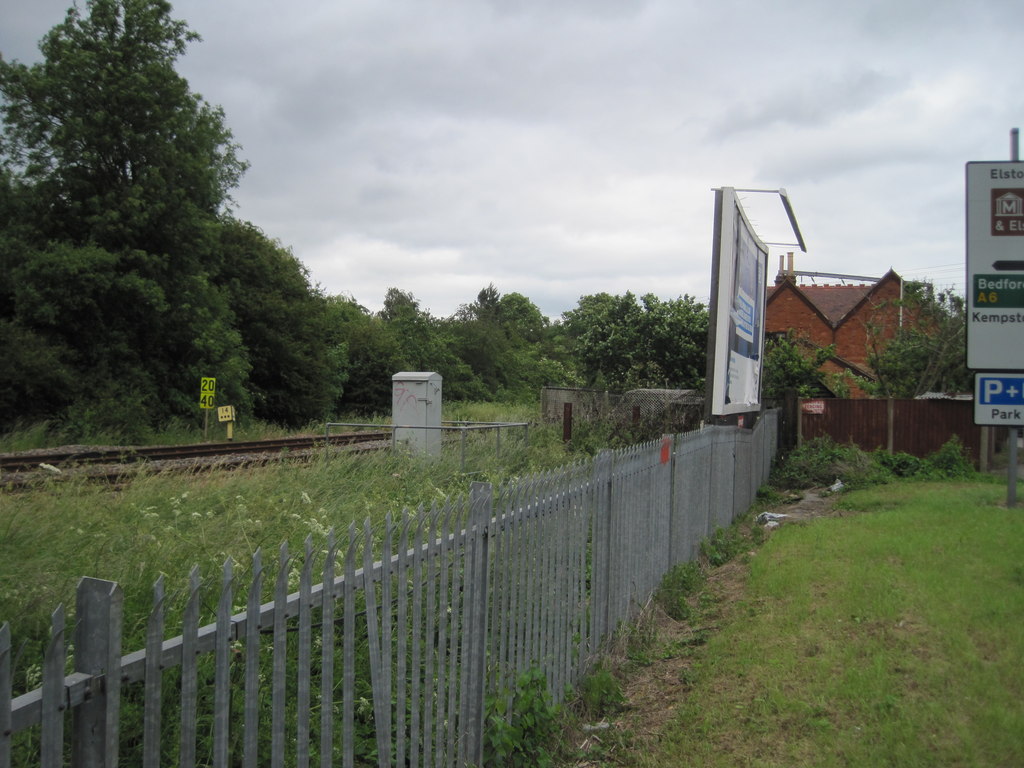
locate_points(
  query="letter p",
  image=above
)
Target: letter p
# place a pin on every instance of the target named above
(992, 388)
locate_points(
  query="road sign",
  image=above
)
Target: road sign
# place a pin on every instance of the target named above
(995, 266)
(999, 399)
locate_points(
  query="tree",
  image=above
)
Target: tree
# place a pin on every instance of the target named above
(288, 328)
(925, 353)
(118, 151)
(118, 176)
(622, 343)
(792, 363)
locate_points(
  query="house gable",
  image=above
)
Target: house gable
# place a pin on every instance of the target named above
(847, 316)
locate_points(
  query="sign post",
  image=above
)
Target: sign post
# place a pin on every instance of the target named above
(995, 297)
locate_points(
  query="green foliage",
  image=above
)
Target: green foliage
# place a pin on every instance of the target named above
(599, 693)
(722, 546)
(821, 461)
(108, 135)
(625, 344)
(950, 462)
(521, 724)
(925, 352)
(793, 363)
(677, 586)
(291, 331)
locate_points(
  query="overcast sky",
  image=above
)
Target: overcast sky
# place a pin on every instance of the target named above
(558, 148)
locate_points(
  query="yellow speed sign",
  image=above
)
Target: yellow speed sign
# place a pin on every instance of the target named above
(207, 392)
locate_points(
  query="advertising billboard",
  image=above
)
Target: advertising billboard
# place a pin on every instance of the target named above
(739, 272)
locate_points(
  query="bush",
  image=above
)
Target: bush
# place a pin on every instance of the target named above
(521, 735)
(821, 461)
(950, 462)
(723, 545)
(898, 464)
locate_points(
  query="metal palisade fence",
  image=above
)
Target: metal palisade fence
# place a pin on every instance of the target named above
(395, 639)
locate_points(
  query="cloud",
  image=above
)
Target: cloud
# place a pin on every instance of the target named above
(559, 149)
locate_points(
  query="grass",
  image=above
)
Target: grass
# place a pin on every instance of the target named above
(165, 523)
(889, 636)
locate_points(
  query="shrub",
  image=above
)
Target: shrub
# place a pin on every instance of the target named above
(950, 462)
(722, 546)
(898, 464)
(520, 734)
(821, 461)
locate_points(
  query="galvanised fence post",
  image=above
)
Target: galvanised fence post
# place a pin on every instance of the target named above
(481, 510)
(98, 653)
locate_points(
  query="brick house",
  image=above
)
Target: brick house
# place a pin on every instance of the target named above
(836, 314)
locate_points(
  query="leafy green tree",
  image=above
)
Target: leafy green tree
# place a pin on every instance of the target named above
(117, 175)
(622, 343)
(792, 363)
(118, 151)
(373, 355)
(288, 328)
(925, 353)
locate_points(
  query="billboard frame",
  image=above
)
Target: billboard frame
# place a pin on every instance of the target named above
(739, 276)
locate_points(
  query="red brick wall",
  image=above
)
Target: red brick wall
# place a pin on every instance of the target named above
(879, 312)
(786, 311)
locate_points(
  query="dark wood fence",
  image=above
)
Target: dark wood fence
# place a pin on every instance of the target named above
(917, 427)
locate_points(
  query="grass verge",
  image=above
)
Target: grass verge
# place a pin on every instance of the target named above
(889, 634)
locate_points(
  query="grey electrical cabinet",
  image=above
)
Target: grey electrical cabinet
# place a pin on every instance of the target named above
(416, 402)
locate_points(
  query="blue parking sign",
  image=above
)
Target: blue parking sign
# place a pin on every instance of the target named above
(999, 399)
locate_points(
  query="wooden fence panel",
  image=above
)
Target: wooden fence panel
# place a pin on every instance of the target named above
(917, 427)
(861, 422)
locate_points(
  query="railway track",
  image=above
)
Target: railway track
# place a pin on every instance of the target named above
(114, 464)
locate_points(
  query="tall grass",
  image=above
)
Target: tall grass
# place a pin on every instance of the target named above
(63, 530)
(889, 636)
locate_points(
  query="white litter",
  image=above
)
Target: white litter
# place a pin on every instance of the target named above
(766, 518)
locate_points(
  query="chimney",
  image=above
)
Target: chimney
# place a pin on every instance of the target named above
(784, 272)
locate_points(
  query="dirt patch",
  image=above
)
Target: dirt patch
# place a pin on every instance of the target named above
(656, 673)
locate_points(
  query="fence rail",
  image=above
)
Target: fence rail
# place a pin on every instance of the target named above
(388, 648)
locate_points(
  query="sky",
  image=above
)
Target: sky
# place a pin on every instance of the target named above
(562, 148)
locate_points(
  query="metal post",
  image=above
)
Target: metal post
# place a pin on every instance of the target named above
(98, 653)
(475, 627)
(497, 441)
(462, 462)
(1011, 469)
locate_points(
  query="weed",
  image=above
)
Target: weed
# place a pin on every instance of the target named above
(678, 585)
(821, 461)
(722, 546)
(600, 693)
(521, 725)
